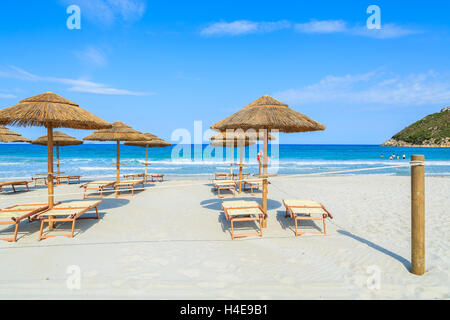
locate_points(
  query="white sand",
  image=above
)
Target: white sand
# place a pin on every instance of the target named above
(172, 241)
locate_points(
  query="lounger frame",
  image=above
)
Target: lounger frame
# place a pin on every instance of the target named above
(128, 185)
(244, 217)
(99, 187)
(15, 183)
(16, 220)
(224, 185)
(68, 179)
(48, 218)
(297, 216)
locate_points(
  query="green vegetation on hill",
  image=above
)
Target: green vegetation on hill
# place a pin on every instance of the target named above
(433, 129)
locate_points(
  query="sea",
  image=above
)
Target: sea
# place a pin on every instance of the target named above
(98, 161)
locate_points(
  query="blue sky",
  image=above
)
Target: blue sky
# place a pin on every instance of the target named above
(161, 65)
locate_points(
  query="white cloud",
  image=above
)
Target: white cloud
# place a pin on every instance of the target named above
(107, 12)
(373, 88)
(78, 85)
(324, 26)
(7, 96)
(240, 27)
(387, 31)
(92, 56)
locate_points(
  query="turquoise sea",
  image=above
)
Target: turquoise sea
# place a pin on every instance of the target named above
(93, 161)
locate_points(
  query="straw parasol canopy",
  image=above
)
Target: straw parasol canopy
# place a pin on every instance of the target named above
(119, 131)
(60, 139)
(151, 142)
(51, 111)
(267, 113)
(7, 135)
(270, 114)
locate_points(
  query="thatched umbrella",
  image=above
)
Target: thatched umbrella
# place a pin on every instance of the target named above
(51, 111)
(118, 132)
(60, 139)
(233, 139)
(267, 113)
(151, 142)
(7, 135)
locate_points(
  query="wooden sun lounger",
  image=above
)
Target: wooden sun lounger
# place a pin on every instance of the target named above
(67, 179)
(15, 214)
(134, 176)
(224, 185)
(69, 211)
(156, 177)
(244, 175)
(13, 184)
(129, 185)
(97, 186)
(304, 210)
(252, 184)
(36, 180)
(243, 210)
(222, 175)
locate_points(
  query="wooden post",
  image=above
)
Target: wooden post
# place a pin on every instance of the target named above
(57, 161)
(240, 169)
(265, 158)
(51, 199)
(232, 158)
(146, 162)
(118, 161)
(417, 214)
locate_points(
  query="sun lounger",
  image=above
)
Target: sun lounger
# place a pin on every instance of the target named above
(15, 214)
(243, 210)
(37, 180)
(134, 176)
(67, 179)
(244, 175)
(98, 186)
(128, 185)
(13, 184)
(69, 211)
(156, 177)
(222, 176)
(304, 210)
(224, 185)
(252, 184)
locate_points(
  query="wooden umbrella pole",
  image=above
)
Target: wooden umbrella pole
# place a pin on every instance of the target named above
(118, 161)
(240, 169)
(50, 170)
(231, 164)
(266, 149)
(146, 163)
(57, 161)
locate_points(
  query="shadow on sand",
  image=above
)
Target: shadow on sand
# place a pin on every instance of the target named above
(28, 228)
(402, 260)
(287, 223)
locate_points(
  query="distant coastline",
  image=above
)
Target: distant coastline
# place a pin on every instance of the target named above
(400, 143)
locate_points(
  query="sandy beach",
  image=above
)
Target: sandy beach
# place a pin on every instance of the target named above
(172, 241)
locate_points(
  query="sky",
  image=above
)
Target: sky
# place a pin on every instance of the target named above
(161, 65)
